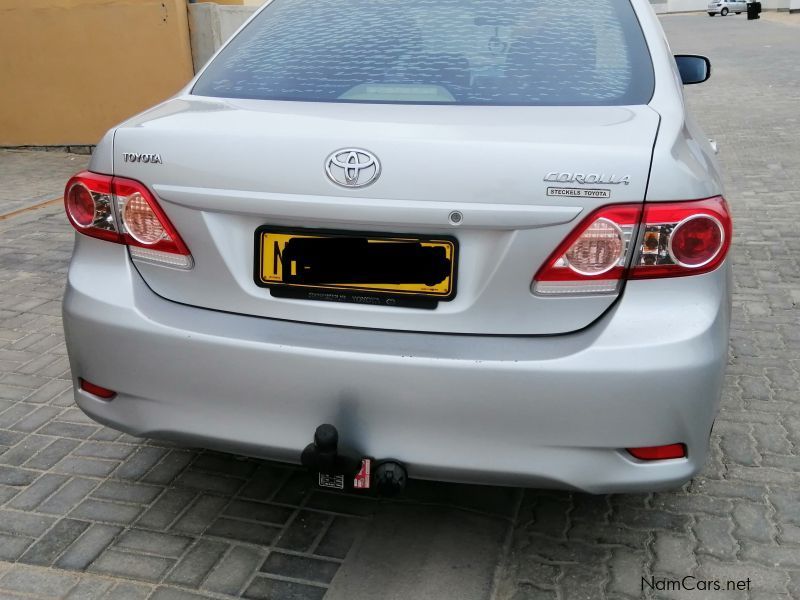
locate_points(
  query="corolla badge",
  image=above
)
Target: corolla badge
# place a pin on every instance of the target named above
(587, 178)
(353, 167)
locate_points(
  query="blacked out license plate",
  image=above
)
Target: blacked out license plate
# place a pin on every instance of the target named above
(394, 270)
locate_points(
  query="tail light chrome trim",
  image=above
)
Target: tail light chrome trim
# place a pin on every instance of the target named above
(72, 208)
(678, 227)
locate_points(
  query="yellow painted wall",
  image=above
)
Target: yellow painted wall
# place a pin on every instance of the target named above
(71, 69)
(236, 2)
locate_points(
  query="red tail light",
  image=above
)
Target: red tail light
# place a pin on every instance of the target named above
(594, 257)
(90, 206)
(124, 211)
(676, 239)
(96, 390)
(659, 452)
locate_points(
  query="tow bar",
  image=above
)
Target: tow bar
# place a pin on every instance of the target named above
(345, 470)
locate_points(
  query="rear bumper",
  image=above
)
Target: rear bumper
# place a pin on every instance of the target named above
(542, 411)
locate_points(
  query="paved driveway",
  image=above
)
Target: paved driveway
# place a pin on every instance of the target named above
(86, 512)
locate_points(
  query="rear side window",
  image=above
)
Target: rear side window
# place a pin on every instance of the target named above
(478, 52)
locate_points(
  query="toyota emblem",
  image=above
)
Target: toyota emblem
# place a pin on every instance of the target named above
(353, 167)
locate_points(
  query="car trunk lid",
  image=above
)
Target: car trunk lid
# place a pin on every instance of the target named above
(502, 181)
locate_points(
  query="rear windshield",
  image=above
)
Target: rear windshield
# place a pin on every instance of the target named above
(478, 52)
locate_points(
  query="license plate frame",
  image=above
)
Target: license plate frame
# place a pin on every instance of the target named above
(411, 295)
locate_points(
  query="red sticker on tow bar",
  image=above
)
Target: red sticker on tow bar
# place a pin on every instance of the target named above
(362, 480)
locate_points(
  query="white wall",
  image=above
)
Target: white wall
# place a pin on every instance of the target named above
(212, 24)
(686, 5)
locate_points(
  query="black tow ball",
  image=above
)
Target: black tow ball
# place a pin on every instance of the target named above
(324, 456)
(343, 469)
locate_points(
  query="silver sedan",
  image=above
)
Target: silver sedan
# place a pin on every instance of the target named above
(474, 240)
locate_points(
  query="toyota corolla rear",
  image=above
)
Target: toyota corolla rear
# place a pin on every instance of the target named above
(481, 238)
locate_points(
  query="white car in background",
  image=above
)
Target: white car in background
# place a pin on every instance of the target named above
(725, 7)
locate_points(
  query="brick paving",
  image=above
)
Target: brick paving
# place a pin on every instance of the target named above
(22, 188)
(741, 517)
(88, 512)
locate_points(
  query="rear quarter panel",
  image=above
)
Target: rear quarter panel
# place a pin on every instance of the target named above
(684, 165)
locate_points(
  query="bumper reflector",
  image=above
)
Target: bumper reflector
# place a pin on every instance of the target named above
(96, 390)
(659, 452)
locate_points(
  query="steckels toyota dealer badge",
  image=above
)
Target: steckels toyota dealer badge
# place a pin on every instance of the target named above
(578, 193)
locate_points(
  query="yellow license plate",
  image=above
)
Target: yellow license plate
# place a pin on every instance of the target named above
(348, 263)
